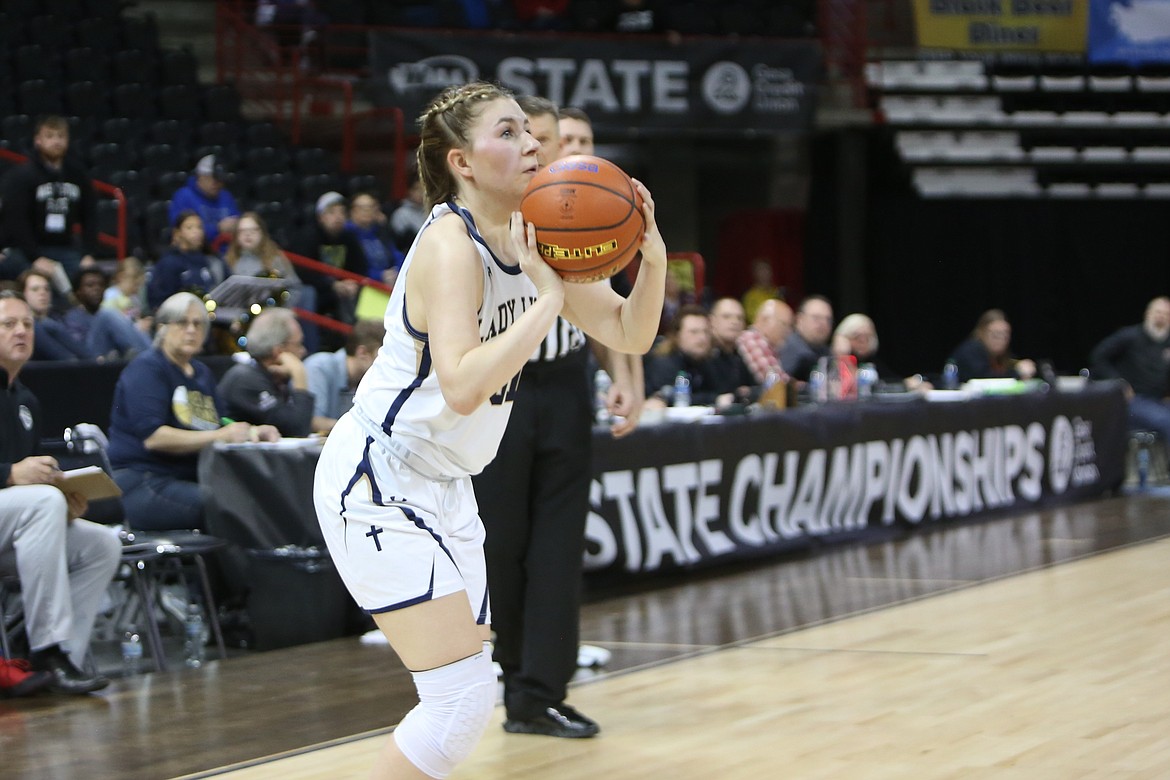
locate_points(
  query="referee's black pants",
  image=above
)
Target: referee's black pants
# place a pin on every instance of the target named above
(533, 499)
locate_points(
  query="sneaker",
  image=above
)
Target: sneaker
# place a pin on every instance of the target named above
(559, 721)
(18, 679)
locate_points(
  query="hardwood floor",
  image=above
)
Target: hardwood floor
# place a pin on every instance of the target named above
(876, 661)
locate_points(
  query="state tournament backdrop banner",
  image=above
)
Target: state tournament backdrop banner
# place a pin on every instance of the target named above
(1132, 31)
(1002, 25)
(650, 86)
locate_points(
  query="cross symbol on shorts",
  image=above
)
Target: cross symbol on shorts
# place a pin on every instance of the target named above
(373, 532)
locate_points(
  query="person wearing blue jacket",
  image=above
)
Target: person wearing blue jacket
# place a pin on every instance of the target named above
(205, 194)
(186, 267)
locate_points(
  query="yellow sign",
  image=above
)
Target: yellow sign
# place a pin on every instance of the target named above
(1002, 25)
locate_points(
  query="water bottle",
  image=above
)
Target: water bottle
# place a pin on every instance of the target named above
(818, 392)
(950, 376)
(131, 652)
(682, 389)
(601, 385)
(196, 632)
(867, 377)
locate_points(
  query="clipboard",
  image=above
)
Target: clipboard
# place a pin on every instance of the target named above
(90, 481)
(237, 293)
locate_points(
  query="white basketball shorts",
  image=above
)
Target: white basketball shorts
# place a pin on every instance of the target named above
(397, 538)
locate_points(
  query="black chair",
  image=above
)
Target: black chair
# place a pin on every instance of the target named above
(273, 187)
(181, 102)
(133, 186)
(82, 132)
(313, 187)
(221, 103)
(170, 131)
(52, 32)
(156, 225)
(264, 134)
(17, 130)
(68, 10)
(222, 133)
(39, 97)
(123, 130)
(179, 67)
(266, 159)
(31, 62)
(98, 32)
(363, 182)
(134, 101)
(166, 182)
(11, 31)
(133, 66)
(140, 32)
(310, 161)
(86, 64)
(86, 98)
(112, 156)
(276, 215)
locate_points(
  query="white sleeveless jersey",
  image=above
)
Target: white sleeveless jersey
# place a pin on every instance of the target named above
(400, 393)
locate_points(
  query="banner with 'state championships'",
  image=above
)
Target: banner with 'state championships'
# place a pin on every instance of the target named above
(1002, 25)
(624, 84)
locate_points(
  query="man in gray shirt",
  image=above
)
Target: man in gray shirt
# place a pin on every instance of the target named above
(333, 376)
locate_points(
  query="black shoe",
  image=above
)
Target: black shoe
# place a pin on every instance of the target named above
(66, 678)
(559, 721)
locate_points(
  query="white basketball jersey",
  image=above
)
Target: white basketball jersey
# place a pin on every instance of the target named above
(400, 393)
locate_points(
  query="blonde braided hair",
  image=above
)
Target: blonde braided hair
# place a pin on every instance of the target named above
(445, 124)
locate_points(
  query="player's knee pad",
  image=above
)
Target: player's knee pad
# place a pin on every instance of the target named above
(455, 704)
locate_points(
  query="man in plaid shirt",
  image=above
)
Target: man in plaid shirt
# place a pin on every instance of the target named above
(759, 345)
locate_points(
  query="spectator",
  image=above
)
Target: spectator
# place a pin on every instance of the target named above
(809, 341)
(64, 563)
(688, 350)
(856, 335)
(763, 287)
(368, 222)
(83, 331)
(44, 199)
(727, 325)
(409, 215)
(1140, 355)
(760, 345)
(333, 376)
(164, 413)
(272, 388)
(253, 252)
(205, 194)
(128, 293)
(328, 242)
(576, 132)
(986, 354)
(186, 267)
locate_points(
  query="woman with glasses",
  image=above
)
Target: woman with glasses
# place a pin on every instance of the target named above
(986, 354)
(164, 414)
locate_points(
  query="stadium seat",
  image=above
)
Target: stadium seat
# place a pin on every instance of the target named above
(281, 187)
(86, 98)
(180, 101)
(38, 97)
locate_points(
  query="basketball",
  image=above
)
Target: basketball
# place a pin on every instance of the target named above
(588, 217)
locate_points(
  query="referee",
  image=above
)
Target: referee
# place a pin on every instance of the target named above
(534, 498)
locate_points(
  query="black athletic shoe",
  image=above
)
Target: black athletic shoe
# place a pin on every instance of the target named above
(66, 678)
(559, 721)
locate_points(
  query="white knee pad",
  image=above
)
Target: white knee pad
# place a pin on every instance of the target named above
(455, 704)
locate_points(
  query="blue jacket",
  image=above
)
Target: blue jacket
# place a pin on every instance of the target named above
(211, 210)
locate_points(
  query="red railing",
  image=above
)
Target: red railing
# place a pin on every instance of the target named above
(117, 241)
(337, 273)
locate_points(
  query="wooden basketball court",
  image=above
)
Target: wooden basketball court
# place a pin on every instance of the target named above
(1030, 646)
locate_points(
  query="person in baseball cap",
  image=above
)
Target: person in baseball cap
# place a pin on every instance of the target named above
(205, 194)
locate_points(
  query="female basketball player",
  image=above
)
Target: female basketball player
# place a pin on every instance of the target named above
(393, 491)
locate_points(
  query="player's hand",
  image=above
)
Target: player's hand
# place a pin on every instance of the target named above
(35, 470)
(625, 406)
(653, 246)
(546, 279)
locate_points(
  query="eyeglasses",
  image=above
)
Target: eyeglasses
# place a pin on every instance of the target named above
(184, 324)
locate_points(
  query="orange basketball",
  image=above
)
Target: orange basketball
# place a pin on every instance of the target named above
(588, 217)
